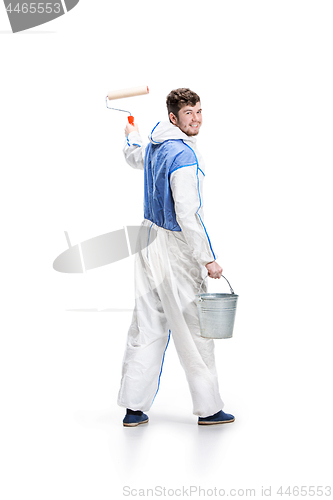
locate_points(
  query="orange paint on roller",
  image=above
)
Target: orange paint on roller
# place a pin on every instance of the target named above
(132, 92)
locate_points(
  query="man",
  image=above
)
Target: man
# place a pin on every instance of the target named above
(176, 255)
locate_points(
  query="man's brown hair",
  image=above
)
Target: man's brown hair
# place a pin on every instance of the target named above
(179, 98)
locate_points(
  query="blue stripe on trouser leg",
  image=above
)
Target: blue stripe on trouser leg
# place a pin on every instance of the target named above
(148, 337)
(159, 378)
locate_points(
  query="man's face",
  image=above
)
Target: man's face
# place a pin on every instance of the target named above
(189, 119)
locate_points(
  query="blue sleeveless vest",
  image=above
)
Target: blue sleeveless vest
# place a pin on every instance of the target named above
(160, 161)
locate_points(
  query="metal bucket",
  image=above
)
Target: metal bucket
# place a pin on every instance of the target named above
(217, 313)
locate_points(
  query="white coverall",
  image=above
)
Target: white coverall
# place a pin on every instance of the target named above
(168, 275)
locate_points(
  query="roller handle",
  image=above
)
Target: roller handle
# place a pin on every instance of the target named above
(130, 120)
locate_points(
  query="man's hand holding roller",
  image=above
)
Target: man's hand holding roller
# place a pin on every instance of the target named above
(131, 128)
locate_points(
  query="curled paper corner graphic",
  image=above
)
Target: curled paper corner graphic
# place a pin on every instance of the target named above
(103, 249)
(24, 15)
(70, 4)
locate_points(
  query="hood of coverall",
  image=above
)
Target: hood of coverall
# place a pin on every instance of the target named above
(166, 131)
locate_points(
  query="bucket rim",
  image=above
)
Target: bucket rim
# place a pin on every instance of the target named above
(216, 296)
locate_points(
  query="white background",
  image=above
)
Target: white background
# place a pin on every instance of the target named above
(263, 70)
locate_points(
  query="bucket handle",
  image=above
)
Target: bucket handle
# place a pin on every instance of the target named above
(231, 290)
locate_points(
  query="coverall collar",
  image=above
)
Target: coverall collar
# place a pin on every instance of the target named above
(166, 131)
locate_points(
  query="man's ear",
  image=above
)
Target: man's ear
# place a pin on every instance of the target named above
(173, 118)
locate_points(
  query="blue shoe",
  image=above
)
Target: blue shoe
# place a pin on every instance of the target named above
(219, 418)
(134, 420)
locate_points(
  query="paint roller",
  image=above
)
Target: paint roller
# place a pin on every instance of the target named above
(120, 94)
